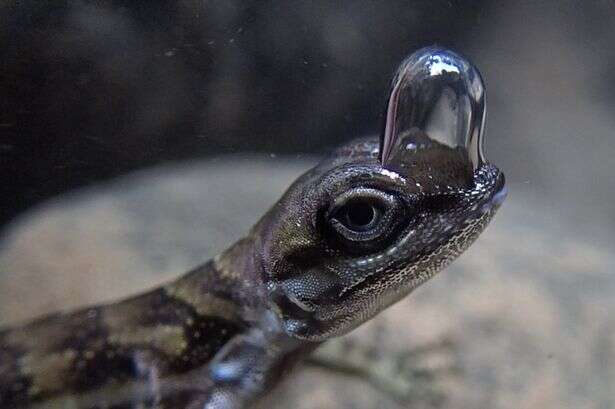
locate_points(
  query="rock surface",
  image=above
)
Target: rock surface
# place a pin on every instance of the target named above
(524, 317)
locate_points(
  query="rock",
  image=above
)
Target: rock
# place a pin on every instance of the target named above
(523, 318)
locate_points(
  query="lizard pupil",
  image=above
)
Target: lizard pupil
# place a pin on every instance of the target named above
(360, 215)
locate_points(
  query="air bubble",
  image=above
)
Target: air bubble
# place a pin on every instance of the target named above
(437, 99)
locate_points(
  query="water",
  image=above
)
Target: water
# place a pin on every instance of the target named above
(93, 92)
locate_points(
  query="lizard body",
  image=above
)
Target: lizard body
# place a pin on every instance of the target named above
(350, 237)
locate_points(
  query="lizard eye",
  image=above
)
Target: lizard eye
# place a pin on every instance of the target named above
(360, 215)
(363, 218)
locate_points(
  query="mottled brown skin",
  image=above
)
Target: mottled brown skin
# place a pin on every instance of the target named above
(166, 331)
(225, 333)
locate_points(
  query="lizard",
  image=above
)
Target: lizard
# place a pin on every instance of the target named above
(358, 232)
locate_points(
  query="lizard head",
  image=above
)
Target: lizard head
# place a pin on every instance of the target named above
(381, 216)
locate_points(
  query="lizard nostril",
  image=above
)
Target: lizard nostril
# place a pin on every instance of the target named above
(501, 191)
(499, 197)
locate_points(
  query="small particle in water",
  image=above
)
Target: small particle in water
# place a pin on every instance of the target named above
(272, 155)
(170, 53)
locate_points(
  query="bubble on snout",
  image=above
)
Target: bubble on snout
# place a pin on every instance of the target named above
(437, 99)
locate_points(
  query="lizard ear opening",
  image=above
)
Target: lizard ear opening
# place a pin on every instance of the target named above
(437, 96)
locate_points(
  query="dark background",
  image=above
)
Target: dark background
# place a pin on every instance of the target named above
(90, 90)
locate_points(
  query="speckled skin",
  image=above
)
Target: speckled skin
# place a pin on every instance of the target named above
(223, 334)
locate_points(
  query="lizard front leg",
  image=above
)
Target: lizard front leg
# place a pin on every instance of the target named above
(248, 366)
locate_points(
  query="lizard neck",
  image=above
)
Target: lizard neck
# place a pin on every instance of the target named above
(263, 346)
(231, 285)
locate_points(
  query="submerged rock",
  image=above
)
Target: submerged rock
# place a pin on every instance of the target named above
(521, 320)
